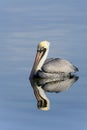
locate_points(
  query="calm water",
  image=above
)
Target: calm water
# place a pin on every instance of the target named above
(24, 23)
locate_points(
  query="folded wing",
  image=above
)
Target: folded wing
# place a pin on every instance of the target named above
(58, 65)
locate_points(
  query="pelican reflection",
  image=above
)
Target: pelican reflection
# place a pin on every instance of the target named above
(41, 86)
(42, 100)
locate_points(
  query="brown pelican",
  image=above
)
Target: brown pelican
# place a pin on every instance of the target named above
(50, 68)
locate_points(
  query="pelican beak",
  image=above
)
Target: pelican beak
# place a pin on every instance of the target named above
(38, 57)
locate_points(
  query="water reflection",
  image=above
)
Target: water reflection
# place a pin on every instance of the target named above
(41, 86)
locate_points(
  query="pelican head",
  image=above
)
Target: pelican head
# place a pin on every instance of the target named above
(42, 45)
(42, 51)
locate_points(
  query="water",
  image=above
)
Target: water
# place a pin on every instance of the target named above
(22, 25)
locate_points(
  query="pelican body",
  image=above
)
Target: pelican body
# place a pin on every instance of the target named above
(50, 68)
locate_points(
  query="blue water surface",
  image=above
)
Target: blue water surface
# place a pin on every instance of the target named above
(24, 23)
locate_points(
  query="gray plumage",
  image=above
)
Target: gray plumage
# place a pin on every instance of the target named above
(56, 68)
(58, 65)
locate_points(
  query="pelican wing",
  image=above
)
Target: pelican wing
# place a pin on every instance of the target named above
(58, 65)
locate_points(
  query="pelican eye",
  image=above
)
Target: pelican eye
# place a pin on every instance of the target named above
(42, 49)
